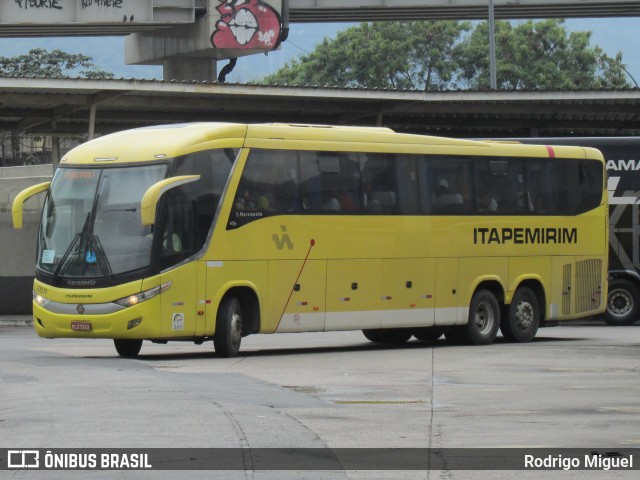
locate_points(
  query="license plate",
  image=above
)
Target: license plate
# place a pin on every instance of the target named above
(81, 326)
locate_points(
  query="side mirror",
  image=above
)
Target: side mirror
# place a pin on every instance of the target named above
(18, 202)
(152, 196)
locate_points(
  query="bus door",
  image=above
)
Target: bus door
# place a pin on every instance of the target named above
(177, 243)
(179, 308)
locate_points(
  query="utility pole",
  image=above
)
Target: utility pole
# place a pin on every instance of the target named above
(492, 48)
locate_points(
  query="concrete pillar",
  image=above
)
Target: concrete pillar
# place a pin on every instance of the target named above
(190, 69)
(55, 151)
(92, 121)
(55, 145)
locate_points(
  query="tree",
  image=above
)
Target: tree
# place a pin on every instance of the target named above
(538, 55)
(415, 55)
(55, 64)
(448, 55)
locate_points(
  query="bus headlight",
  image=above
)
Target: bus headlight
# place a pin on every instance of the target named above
(132, 300)
(39, 299)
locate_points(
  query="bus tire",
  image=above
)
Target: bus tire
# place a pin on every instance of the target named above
(127, 348)
(228, 336)
(622, 303)
(391, 336)
(427, 334)
(484, 319)
(523, 317)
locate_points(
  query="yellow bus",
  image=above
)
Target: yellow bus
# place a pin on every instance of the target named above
(217, 231)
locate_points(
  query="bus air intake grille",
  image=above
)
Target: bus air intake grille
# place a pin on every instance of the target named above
(588, 285)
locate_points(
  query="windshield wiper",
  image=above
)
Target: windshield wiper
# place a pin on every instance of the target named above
(74, 247)
(94, 247)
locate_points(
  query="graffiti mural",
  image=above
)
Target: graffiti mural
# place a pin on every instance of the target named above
(51, 12)
(247, 24)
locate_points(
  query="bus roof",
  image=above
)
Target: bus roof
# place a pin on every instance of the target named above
(169, 141)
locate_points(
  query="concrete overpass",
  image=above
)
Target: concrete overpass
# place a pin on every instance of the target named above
(188, 36)
(376, 10)
(28, 18)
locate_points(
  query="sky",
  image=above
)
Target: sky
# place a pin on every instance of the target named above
(613, 35)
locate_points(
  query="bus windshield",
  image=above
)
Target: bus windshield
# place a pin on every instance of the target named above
(91, 224)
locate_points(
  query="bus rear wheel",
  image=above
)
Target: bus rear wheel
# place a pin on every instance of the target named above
(523, 318)
(622, 303)
(484, 319)
(228, 336)
(393, 336)
(127, 348)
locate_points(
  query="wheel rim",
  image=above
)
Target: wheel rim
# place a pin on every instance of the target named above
(525, 315)
(620, 303)
(235, 333)
(484, 318)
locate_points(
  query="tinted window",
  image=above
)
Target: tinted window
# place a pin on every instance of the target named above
(449, 184)
(330, 182)
(379, 183)
(338, 183)
(269, 186)
(189, 209)
(214, 167)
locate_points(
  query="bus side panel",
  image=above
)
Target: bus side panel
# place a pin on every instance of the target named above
(178, 304)
(408, 291)
(446, 301)
(530, 268)
(353, 294)
(473, 271)
(299, 305)
(222, 276)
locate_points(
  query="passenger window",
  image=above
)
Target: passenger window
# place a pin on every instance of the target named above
(449, 184)
(330, 182)
(510, 186)
(584, 177)
(269, 186)
(408, 184)
(379, 183)
(590, 177)
(490, 176)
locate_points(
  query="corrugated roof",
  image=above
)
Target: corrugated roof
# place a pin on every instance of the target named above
(62, 106)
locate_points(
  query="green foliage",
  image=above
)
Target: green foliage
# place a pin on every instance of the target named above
(380, 55)
(538, 55)
(55, 64)
(439, 55)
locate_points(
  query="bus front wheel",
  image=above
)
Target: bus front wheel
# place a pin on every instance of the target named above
(228, 336)
(523, 319)
(484, 319)
(128, 348)
(622, 303)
